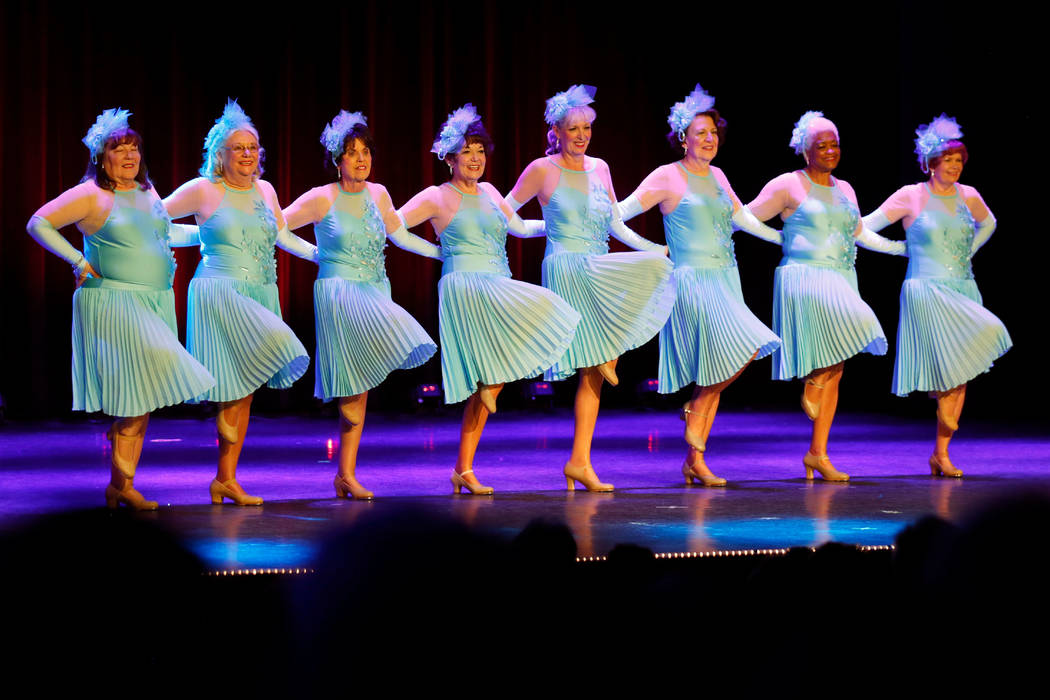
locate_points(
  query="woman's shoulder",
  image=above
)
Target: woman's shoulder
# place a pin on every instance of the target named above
(786, 180)
(541, 164)
(490, 189)
(376, 190)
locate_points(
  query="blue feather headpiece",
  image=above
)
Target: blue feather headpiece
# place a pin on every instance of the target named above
(810, 123)
(451, 137)
(931, 138)
(559, 105)
(233, 119)
(335, 133)
(108, 122)
(683, 113)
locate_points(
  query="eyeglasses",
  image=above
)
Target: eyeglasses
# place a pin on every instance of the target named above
(241, 149)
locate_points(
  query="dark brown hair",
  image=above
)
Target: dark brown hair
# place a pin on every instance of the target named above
(356, 132)
(96, 172)
(475, 133)
(720, 127)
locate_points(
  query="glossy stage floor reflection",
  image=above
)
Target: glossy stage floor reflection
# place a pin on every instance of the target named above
(406, 460)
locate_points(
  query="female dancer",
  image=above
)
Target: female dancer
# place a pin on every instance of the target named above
(362, 335)
(235, 327)
(817, 311)
(127, 359)
(711, 335)
(946, 337)
(623, 298)
(493, 329)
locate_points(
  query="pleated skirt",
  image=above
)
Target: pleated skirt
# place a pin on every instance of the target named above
(623, 300)
(494, 329)
(127, 359)
(234, 329)
(362, 336)
(945, 337)
(710, 334)
(821, 319)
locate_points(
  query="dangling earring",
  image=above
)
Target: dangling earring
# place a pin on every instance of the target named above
(450, 170)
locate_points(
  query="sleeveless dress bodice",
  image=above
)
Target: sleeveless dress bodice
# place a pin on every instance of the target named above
(237, 240)
(351, 239)
(820, 230)
(940, 239)
(475, 240)
(699, 231)
(132, 246)
(578, 214)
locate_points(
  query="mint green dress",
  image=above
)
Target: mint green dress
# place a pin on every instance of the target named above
(945, 337)
(817, 310)
(623, 299)
(362, 335)
(127, 359)
(234, 326)
(710, 334)
(493, 329)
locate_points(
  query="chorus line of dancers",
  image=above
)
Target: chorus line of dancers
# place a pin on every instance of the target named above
(593, 305)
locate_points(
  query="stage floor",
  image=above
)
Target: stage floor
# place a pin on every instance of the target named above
(406, 460)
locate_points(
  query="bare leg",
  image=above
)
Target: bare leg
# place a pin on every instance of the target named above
(698, 421)
(588, 400)
(475, 415)
(351, 424)
(235, 414)
(699, 412)
(949, 403)
(828, 378)
(126, 436)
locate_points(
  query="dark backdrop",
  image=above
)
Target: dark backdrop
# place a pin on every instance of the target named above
(878, 70)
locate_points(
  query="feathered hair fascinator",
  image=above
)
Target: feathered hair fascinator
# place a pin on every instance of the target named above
(108, 122)
(233, 119)
(335, 133)
(811, 122)
(932, 138)
(559, 105)
(451, 137)
(683, 113)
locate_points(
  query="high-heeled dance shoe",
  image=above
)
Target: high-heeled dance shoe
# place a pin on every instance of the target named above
(822, 464)
(691, 438)
(116, 440)
(227, 432)
(707, 480)
(810, 408)
(350, 488)
(459, 483)
(129, 497)
(691, 476)
(608, 373)
(219, 491)
(587, 477)
(486, 398)
(939, 467)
